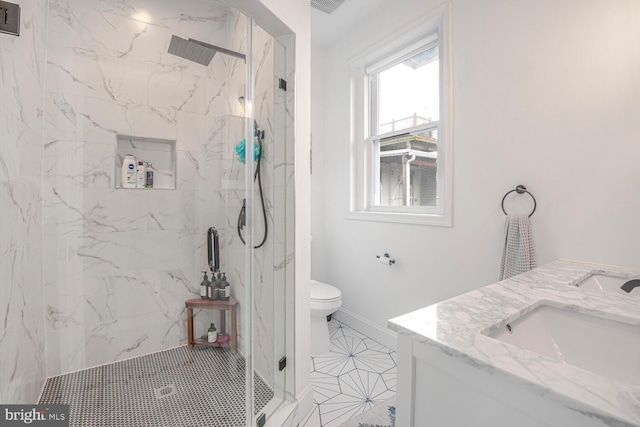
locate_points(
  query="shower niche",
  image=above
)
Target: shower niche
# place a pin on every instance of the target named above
(159, 155)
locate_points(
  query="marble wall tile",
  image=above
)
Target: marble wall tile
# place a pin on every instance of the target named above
(108, 249)
(65, 305)
(20, 151)
(66, 350)
(21, 88)
(110, 73)
(75, 164)
(192, 255)
(30, 47)
(76, 211)
(77, 118)
(209, 209)
(169, 87)
(78, 71)
(126, 338)
(171, 210)
(136, 293)
(144, 42)
(61, 264)
(192, 170)
(191, 128)
(264, 65)
(22, 331)
(104, 253)
(82, 25)
(216, 136)
(150, 121)
(216, 74)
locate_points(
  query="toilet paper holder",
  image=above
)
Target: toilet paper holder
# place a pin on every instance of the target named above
(385, 259)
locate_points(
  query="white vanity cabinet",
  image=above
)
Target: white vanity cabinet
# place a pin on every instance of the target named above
(451, 372)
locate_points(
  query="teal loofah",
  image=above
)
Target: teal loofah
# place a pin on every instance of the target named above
(240, 151)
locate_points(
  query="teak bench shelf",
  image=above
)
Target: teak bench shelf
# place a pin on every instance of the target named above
(222, 306)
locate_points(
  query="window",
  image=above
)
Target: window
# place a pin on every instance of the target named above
(401, 138)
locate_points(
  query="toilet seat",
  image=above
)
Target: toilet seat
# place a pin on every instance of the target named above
(327, 301)
(322, 292)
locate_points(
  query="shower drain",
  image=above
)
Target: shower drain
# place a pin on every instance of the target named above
(165, 391)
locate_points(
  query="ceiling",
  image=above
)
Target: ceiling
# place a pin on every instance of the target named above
(326, 29)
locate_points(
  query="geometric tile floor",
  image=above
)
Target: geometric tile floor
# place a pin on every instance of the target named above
(355, 375)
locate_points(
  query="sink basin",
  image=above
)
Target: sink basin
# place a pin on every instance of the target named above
(603, 346)
(607, 283)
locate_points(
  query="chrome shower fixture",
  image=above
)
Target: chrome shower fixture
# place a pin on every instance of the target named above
(9, 18)
(256, 129)
(197, 51)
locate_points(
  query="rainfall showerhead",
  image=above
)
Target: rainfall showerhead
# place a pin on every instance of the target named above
(192, 51)
(326, 6)
(197, 51)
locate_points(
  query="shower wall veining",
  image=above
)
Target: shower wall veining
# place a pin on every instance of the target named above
(119, 264)
(22, 328)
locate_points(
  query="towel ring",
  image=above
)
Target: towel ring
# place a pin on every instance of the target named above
(520, 189)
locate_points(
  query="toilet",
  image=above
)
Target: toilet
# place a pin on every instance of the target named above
(325, 300)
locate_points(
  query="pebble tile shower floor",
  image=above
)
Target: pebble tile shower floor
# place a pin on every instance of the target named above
(201, 387)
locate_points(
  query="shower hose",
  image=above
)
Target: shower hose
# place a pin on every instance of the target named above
(256, 176)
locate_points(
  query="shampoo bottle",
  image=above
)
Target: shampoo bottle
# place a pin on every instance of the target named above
(215, 285)
(226, 288)
(220, 284)
(212, 335)
(141, 175)
(129, 171)
(150, 176)
(204, 286)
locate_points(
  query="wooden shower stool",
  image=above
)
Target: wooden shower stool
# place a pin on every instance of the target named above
(222, 307)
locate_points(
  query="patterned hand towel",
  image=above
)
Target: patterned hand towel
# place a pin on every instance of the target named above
(519, 253)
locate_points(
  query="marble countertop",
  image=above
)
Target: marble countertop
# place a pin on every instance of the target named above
(456, 327)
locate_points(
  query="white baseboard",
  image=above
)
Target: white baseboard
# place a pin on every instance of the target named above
(305, 400)
(291, 412)
(384, 336)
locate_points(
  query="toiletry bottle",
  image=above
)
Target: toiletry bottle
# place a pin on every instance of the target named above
(211, 289)
(141, 175)
(129, 171)
(226, 288)
(150, 175)
(212, 336)
(220, 287)
(214, 287)
(204, 286)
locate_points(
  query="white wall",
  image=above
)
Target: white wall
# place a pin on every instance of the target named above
(318, 153)
(546, 94)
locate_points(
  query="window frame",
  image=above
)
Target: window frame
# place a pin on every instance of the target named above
(362, 152)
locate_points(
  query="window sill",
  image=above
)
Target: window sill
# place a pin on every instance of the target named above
(402, 218)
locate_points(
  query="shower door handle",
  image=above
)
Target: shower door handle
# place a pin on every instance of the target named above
(213, 249)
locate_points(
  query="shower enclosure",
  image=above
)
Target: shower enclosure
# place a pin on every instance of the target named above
(181, 86)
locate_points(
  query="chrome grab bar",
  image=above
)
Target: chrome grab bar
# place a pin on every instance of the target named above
(213, 249)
